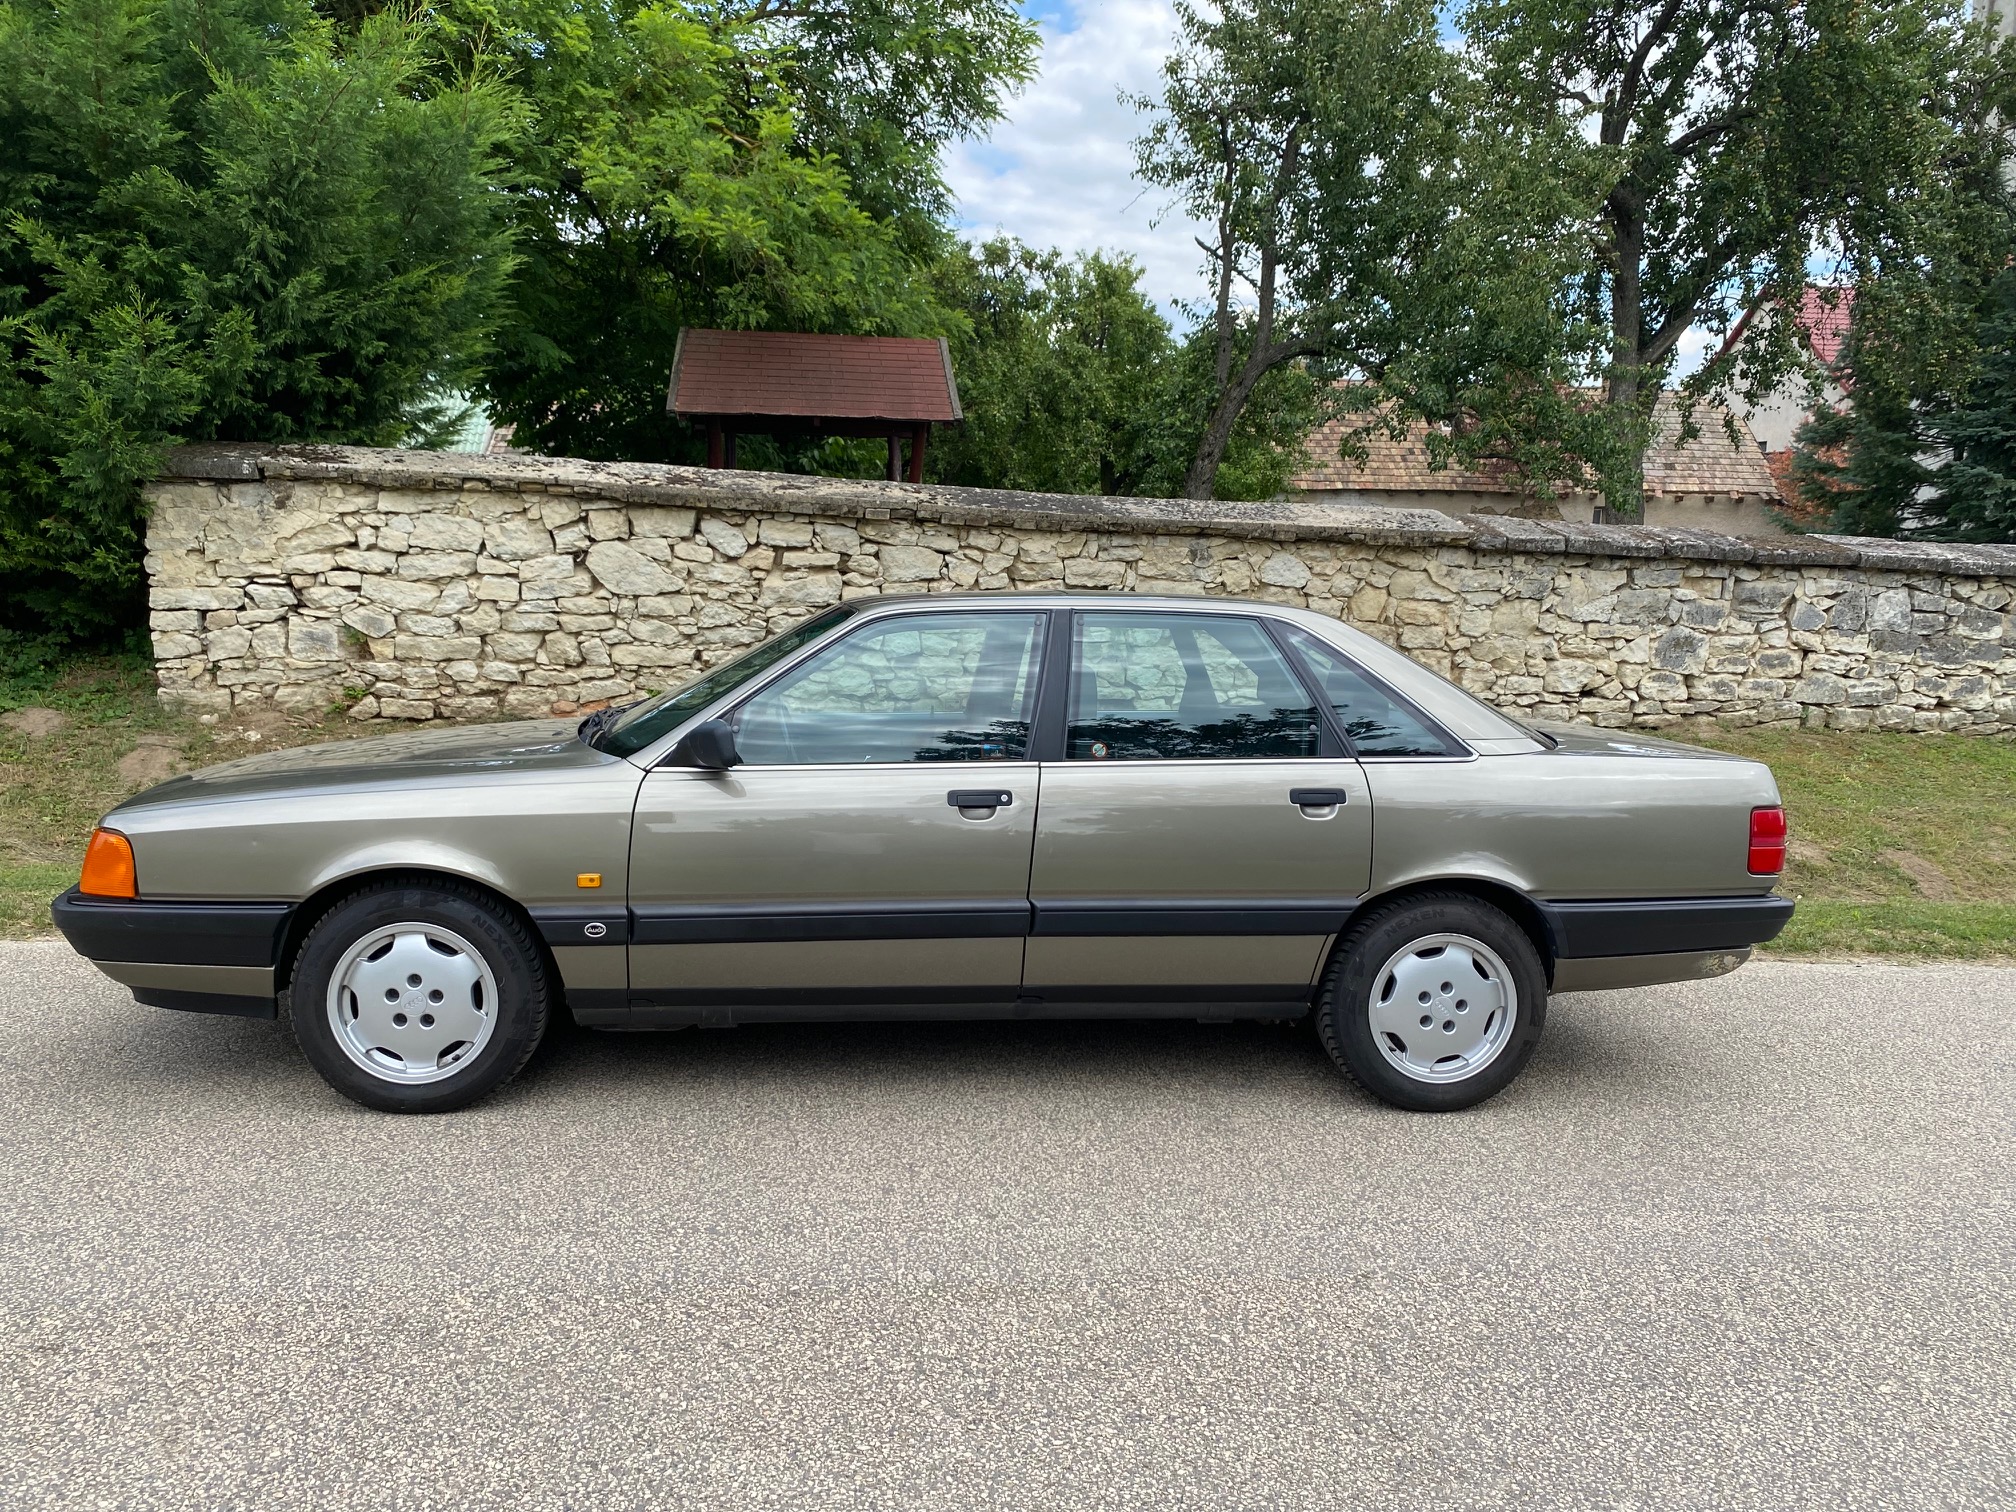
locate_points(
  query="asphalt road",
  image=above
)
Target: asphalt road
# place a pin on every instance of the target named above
(1747, 1243)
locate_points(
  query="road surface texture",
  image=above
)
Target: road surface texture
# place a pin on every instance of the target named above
(1746, 1243)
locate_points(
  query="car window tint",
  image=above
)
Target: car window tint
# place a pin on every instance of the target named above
(927, 687)
(1183, 686)
(1377, 721)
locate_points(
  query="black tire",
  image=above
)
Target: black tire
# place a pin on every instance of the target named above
(495, 934)
(1345, 1002)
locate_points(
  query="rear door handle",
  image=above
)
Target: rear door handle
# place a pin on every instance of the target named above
(987, 798)
(1318, 797)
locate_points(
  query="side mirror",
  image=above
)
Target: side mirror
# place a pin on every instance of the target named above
(709, 745)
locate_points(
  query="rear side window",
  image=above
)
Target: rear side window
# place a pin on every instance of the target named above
(1377, 721)
(1148, 687)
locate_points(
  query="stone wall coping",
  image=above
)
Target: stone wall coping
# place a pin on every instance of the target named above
(1282, 520)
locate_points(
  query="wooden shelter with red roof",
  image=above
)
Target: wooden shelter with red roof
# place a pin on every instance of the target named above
(796, 383)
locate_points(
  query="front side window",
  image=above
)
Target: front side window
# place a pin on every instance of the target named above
(923, 687)
(1378, 723)
(640, 724)
(1149, 687)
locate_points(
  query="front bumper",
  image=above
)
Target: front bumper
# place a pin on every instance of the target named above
(198, 957)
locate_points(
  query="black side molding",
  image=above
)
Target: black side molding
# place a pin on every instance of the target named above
(172, 934)
(1662, 926)
(580, 924)
(1193, 916)
(946, 919)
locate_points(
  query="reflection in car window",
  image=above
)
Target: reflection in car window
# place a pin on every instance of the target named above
(1378, 723)
(936, 687)
(643, 723)
(1183, 686)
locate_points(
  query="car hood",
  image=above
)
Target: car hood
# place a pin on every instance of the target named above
(1590, 740)
(527, 747)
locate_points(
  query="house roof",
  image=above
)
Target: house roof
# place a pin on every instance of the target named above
(1822, 322)
(791, 373)
(1708, 464)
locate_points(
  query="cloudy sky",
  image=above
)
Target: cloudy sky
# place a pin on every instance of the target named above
(1059, 171)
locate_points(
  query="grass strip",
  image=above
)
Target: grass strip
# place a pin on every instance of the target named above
(1900, 927)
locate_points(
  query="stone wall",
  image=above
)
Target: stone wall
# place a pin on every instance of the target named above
(415, 585)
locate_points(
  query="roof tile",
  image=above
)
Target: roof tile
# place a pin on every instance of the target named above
(900, 378)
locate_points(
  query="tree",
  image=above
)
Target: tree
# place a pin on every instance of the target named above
(1736, 139)
(1314, 138)
(1063, 369)
(1924, 443)
(216, 223)
(1073, 382)
(750, 165)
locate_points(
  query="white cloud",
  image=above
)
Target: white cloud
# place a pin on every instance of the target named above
(1059, 172)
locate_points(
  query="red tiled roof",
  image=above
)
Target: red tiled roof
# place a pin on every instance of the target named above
(1708, 464)
(1823, 321)
(901, 378)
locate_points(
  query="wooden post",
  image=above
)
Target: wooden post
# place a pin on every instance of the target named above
(730, 449)
(917, 435)
(895, 458)
(716, 453)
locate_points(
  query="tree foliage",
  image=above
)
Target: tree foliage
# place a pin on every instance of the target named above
(218, 223)
(766, 165)
(1736, 140)
(1073, 382)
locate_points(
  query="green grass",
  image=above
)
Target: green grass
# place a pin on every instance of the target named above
(1901, 844)
(55, 788)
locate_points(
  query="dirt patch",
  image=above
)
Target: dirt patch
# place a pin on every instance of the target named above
(1806, 853)
(36, 724)
(153, 761)
(1928, 879)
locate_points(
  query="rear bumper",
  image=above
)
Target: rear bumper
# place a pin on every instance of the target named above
(198, 957)
(1582, 930)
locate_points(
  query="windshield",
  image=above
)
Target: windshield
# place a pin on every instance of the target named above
(642, 723)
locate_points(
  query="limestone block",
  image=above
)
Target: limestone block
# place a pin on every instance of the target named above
(722, 536)
(1281, 570)
(1080, 572)
(373, 623)
(171, 644)
(813, 590)
(911, 564)
(1680, 650)
(396, 593)
(655, 520)
(517, 538)
(622, 569)
(445, 532)
(405, 708)
(427, 566)
(426, 648)
(785, 533)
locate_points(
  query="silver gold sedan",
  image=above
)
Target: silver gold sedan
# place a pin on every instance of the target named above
(960, 806)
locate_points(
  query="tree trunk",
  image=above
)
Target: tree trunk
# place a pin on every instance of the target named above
(1627, 318)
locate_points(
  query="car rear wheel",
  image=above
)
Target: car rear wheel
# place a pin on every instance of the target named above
(1433, 1003)
(419, 998)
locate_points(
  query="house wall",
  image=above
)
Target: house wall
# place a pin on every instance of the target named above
(410, 585)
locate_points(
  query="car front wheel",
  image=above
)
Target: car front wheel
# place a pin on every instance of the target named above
(419, 997)
(1433, 1003)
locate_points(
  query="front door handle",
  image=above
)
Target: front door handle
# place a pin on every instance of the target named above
(1318, 797)
(987, 798)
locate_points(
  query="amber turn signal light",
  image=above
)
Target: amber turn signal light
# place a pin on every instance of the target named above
(1767, 841)
(108, 866)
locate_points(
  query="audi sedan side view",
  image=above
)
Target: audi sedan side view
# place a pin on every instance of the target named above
(956, 806)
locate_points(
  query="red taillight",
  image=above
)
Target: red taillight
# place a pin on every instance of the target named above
(1767, 841)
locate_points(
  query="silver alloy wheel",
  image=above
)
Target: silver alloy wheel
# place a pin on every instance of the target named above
(412, 1003)
(1443, 1008)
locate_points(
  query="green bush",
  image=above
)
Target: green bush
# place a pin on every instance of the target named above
(219, 220)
